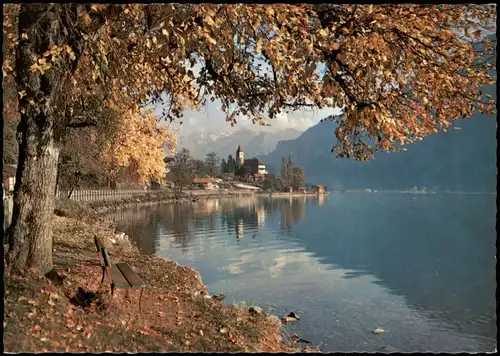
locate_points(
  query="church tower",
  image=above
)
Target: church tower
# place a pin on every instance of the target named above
(240, 157)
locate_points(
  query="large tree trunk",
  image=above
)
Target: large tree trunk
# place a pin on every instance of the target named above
(30, 234)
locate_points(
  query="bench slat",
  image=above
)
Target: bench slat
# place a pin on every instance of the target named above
(118, 280)
(98, 244)
(133, 279)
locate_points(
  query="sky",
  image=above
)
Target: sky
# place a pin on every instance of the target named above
(212, 119)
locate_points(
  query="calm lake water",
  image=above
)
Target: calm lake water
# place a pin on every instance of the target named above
(422, 267)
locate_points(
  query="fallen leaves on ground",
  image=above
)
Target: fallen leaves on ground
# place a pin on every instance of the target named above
(73, 317)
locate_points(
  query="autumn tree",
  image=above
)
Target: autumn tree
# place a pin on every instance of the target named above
(287, 171)
(198, 168)
(81, 148)
(399, 72)
(9, 92)
(137, 147)
(240, 169)
(272, 182)
(298, 178)
(180, 172)
(284, 171)
(212, 163)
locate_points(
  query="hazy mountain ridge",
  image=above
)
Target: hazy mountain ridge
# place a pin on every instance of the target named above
(223, 143)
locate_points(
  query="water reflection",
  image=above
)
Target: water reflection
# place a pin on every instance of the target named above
(184, 222)
(438, 252)
(422, 266)
(142, 224)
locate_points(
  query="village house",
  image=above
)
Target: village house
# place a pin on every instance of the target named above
(255, 166)
(319, 189)
(205, 183)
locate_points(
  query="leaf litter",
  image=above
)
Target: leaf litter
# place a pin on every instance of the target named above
(72, 316)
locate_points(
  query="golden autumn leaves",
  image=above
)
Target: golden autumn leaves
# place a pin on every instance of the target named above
(138, 147)
(51, 57)
(399, 71)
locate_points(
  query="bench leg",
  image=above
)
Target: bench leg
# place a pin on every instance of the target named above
(103, 273)
(140, 299)
(111, 296)
(127, 296)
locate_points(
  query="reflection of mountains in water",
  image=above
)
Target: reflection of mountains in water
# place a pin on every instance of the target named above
(438, 251)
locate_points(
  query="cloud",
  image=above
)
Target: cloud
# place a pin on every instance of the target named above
(211, 118)
(299, 120)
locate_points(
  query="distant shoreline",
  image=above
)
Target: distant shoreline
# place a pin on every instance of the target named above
(291, 195)
(410, 192)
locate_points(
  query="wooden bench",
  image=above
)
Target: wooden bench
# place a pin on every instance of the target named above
(120, 275)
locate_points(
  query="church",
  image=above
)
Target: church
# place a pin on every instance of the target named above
(253, 165)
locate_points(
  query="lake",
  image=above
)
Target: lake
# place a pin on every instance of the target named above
(421, 267)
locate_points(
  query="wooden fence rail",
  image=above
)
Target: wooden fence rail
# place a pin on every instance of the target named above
(99, 195)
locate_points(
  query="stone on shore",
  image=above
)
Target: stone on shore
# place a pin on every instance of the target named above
(255, 310)
(293, 315)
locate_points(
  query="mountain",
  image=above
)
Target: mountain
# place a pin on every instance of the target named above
(224, 144)
(455, 160)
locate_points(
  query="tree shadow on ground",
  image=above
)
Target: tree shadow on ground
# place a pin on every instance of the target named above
(54, 277)
(86, 299)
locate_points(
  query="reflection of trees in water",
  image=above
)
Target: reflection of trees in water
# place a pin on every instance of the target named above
(175, 219)
(237, 218)
(286, 216)
(291, 210)
(239, 229)
(298, 209)
(187, 221)
(140, 225)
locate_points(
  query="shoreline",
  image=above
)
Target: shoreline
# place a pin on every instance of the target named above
(291, 195)
(177, 314)
(154, 198)
(101, 207)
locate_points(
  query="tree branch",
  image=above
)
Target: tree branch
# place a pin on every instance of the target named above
(87, 121)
